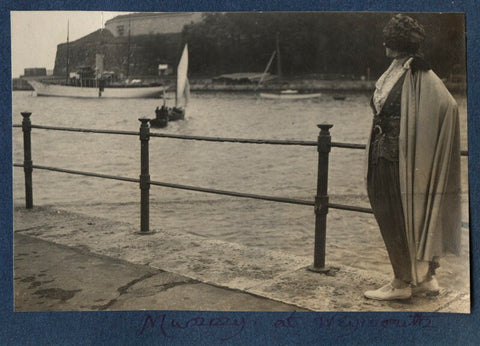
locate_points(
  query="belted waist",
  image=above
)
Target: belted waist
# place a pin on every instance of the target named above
(384, 141)
(389, 126)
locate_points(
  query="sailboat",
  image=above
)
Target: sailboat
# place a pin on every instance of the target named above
(89, 83)
(284, 94)
(95, 90)
(182, 91)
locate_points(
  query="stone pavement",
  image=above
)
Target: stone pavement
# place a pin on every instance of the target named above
(52, 277)
(68, 261)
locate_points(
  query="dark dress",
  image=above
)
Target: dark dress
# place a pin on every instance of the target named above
(383, 183)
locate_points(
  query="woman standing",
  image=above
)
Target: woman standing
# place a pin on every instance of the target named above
(413, 177)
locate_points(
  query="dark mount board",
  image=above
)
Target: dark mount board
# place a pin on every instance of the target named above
(122, 327)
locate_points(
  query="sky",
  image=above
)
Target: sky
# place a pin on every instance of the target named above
(36, 34)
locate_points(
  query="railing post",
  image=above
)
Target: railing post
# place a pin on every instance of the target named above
(321, 199)
(27, 158)
(144, 177)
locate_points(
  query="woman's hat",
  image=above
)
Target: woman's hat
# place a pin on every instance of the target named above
(403, 33)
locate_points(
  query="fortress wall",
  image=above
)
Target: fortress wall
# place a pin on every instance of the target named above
(151, 23)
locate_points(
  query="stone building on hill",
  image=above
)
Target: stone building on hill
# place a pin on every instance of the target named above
(151, 23)
(133, 45)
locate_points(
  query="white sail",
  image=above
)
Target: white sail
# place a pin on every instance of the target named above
(182, 70)
(266, 69)
(187, 91)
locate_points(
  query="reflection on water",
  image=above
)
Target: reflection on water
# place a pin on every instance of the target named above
(286, 171)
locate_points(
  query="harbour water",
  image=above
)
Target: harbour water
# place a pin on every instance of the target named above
(284, 171)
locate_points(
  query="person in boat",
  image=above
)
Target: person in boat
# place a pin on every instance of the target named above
(413, 165)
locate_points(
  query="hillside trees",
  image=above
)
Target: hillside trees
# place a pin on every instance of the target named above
(337, 44)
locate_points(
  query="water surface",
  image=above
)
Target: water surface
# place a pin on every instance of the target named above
(284, 171)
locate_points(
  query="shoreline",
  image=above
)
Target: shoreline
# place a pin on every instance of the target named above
(302, 85)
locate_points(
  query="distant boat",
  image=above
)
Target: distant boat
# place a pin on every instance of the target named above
(90, 83)
(165, 114)
(243, 78)
(339, 97)
(48, 89)
(284, 94)
(290, 95)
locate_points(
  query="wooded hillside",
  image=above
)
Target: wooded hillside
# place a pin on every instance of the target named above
(334, 45)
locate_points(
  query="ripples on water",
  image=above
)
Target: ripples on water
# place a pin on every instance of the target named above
(285, 171)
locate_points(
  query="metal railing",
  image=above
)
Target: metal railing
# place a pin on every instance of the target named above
(321, 202)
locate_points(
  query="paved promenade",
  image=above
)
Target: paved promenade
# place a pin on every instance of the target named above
(56, 277)
(68, 261)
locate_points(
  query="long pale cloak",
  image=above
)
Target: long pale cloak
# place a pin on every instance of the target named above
(429, 167)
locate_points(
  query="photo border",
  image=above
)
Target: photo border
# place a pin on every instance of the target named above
(260, 327)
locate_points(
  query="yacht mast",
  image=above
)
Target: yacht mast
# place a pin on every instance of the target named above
(68, 51)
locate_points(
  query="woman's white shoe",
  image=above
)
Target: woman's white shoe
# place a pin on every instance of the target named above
(428, 288)
(388, 292)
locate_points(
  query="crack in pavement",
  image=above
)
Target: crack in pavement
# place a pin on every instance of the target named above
(123, 289)
(31, 228)
(167, 286)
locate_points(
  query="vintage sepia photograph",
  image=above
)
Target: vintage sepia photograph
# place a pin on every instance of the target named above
(240, 161)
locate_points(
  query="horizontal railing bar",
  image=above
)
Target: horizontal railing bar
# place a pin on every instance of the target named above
(73, 129)
(348, 145)
(175, 186)
(235, 140)
(351, 208)
(185, 137)
(234, 194)
(206, 190)
(210, 139)
(70, 171)
(202, 189)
